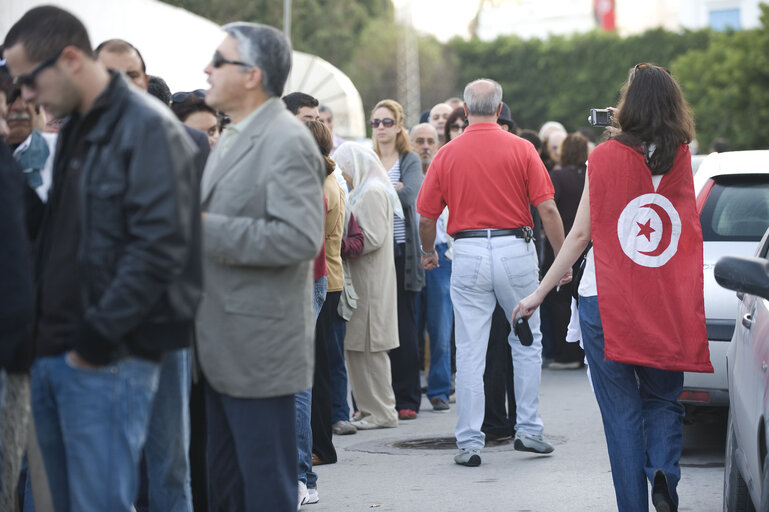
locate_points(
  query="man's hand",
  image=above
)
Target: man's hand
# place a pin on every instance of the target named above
(430, 262)
(399, 186)
(76, 361)
(565, 279)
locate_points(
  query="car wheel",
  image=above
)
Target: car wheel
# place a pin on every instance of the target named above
(736, 495)
(765, 486)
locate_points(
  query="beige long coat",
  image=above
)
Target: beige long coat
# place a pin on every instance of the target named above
(374, 324)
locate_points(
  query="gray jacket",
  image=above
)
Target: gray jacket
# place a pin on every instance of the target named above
(411, 176)
(263, 200)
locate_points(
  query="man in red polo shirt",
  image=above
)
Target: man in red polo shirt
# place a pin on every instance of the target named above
(488, 177)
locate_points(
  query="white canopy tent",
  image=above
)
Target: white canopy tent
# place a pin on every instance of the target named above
(177, 44)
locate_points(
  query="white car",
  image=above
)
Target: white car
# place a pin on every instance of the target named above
(732, 192)
(746, 468)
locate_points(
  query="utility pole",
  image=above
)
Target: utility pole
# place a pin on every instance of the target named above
(287, 19)
(407, 73)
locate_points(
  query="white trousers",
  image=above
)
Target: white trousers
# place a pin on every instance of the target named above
(487, 270)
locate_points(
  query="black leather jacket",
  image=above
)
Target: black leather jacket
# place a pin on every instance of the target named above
(139, 252)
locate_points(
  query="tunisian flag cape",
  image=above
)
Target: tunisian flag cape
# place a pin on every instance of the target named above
(648, 260)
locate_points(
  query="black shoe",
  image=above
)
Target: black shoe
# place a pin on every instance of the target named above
(661, 494)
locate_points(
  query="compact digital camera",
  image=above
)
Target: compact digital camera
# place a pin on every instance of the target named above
(600, 117)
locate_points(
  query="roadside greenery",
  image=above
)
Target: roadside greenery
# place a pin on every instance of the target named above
(723, 75)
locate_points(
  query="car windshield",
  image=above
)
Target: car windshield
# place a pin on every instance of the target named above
(737, 209)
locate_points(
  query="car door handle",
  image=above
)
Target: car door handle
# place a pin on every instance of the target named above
(747, 320)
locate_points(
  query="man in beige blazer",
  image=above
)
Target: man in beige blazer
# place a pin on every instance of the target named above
(262, 203)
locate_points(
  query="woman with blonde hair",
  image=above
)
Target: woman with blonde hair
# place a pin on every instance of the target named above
(370, 332)
(404, 168)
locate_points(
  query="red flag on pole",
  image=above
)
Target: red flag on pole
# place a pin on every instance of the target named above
(647, 245)
(604, 14)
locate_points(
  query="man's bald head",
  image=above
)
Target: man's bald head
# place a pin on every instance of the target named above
(438, 116)
(424, 140)
(121, 55)
(483, 97)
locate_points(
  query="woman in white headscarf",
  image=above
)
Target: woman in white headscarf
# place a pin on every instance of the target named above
(373, 328)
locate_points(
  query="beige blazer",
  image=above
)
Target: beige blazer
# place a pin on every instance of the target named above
(374, 324)
(263, 227)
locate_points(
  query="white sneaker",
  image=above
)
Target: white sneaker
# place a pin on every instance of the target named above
(312, 496)
(303, 494)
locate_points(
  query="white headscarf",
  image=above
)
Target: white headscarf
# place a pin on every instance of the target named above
(365, 169)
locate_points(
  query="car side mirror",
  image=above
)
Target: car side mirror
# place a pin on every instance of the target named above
(744, 275)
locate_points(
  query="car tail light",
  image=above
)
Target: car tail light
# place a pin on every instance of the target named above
(695, 396)
(704, 193)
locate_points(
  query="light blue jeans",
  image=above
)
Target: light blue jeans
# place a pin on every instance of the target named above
(439, 319)
(168, 437)
(91, 426)
(642, 417)
(304, 404)
(487, 270)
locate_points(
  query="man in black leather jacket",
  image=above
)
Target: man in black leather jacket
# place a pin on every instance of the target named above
(117, 263)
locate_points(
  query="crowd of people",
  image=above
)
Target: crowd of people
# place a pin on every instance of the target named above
(202, 289)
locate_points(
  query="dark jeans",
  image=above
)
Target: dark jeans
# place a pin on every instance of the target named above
(559, 304)
(251, 453)
(404, 360)
(499, 419)
(340, 409)
(642, 417)
(320, 418)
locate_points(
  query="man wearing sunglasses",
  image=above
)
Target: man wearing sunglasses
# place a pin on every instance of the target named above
(117, 262)
(263, 215)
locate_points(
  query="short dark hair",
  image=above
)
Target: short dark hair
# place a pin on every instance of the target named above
(192, 104)
(45, 30)
(120, 46)
(574, 150)
(532, 137)
(297, 100)
(158, 87)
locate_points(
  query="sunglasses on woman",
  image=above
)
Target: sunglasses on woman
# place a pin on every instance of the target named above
(386, 122)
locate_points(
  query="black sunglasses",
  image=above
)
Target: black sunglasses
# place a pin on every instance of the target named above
(386, 122)
(218, 61)
(180, 97)
(643, 65)
(28, 80)
(457, 126)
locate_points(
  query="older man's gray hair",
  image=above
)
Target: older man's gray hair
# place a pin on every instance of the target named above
(266, 48)
(483, 97)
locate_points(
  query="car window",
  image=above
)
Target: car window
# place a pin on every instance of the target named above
(737, 209)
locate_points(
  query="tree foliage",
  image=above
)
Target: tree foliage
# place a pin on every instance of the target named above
(563, 77)
(726, 84)
(327, 28)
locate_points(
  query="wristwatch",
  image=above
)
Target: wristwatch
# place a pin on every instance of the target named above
(427, 253)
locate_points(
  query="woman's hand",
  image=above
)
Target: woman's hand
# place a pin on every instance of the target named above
(528, 305)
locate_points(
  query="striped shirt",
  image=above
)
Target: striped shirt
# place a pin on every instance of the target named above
(399, 225)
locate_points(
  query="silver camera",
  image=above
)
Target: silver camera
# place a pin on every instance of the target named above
(600, 117)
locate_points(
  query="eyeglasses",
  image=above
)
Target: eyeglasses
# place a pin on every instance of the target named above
(28, 80)
(644, 65)
(457, 126)
(386, 122)
(181, 97)
(218, 61)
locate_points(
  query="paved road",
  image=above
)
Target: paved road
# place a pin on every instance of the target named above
(375, 475)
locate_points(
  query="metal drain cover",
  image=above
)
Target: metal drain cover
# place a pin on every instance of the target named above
(439, 443)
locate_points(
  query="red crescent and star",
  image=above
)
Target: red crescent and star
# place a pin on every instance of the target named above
(667, 229)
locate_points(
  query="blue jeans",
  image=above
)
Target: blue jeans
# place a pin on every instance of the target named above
(168, 437)
(642, 418)
(486, 271)
(439, 319)
(91, 426)
(340, 408)
(303, 402)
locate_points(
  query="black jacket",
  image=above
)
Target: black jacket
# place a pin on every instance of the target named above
(15, 269)
(139, 247)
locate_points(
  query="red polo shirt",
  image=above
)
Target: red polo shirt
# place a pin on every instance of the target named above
(487, 177)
